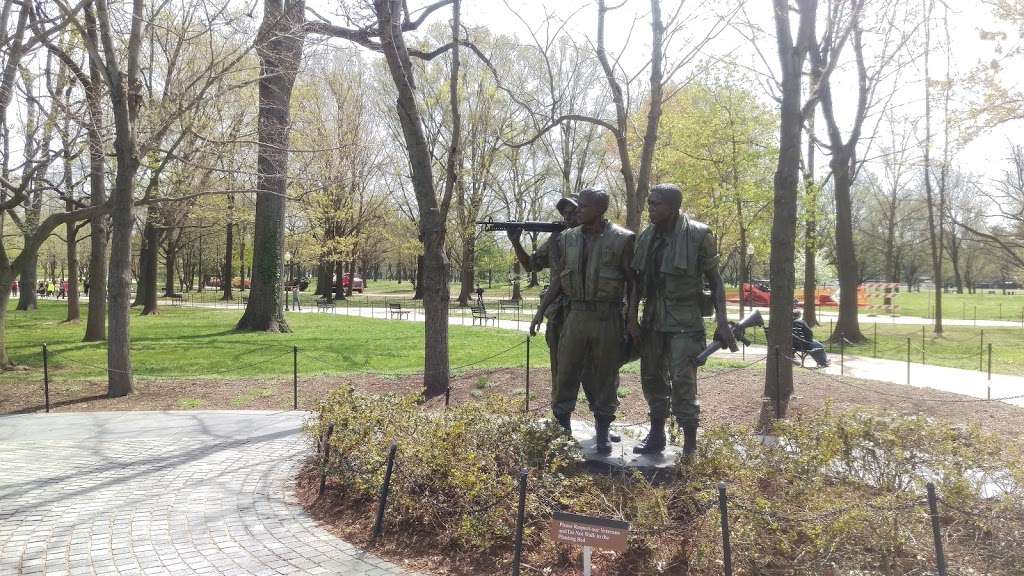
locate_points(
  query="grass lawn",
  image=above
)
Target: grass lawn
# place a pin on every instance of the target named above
(959, 346)
(964, 306)
(182, 342)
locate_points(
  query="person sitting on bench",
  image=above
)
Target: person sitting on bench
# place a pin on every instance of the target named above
(803, 341)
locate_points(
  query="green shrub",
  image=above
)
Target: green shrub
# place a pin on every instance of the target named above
(837, 492)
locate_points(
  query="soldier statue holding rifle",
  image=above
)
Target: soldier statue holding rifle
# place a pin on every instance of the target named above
(674, 257)
(597, 280)
(549, 256)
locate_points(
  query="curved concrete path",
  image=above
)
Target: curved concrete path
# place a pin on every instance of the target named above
(162, 493)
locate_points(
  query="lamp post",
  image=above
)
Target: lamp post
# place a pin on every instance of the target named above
(288, 264)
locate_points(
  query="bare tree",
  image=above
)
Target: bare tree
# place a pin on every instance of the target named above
(792, 51)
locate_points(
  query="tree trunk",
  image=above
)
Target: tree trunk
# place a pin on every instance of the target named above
(241, 259)
(95, 323)
(29, 274)
(228, 271)
(848, 324)
(279, 46)
(418, 288)
(339, 275)
(934, 214)
(810, 232)
(72, 254)
(433, 284)
(170, 255)
(148, 259)
(119, 365)
(467, 270)
(778, 382)
(6, 278)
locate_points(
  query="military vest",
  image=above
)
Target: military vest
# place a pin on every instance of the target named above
(678, 277)
(599, 277)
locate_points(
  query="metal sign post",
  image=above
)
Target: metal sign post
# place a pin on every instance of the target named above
(586, 560)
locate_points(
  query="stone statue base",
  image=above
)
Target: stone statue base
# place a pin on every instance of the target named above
(656, 467)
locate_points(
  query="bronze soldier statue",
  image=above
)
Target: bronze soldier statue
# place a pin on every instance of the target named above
(674, 256)
(596, 277)
(548, 256)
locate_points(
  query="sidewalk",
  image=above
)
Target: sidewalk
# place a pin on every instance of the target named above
(162, 493)
(971, 383)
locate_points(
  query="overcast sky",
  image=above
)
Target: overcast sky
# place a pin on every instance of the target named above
(628, 32)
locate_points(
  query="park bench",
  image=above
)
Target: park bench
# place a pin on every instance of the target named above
(177, 299)
(325, 304)
(510, 306)
(480, 313)
(395, 309)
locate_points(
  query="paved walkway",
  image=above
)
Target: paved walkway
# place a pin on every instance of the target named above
(162, 493)
(973, 383)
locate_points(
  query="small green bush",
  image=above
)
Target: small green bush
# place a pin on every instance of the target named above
(837, 493)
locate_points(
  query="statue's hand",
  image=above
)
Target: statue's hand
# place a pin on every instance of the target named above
(535, 324)
(514, 234)
(724, 335)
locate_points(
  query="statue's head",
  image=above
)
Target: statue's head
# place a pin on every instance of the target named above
(567, 207)
(593, 205)
(663, 203)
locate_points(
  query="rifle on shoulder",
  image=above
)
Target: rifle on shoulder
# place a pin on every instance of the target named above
(526, 226)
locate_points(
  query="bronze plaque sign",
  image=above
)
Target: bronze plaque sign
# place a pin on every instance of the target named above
(587, 531)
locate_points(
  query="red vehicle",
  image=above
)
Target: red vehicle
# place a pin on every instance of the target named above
(356, 281)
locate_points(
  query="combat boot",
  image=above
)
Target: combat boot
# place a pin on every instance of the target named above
(654, 443)
(565, 421)
(689, 439)
(601, 442)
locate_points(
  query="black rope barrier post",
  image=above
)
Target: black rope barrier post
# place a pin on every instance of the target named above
(447, 396)
(517, 550)
(981, 352)
(527, 409)
(989, 370)
(382, 504)
(1000, 310)
(325, 452)
(295, 377)
(723, 509)
(908, 361)
(46, 378)
(874, 353)
(933, 509)
(842, 356)
(922, 344)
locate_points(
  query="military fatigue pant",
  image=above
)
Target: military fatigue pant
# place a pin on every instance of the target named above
(551, 337)
(588, 352)
(668, 374)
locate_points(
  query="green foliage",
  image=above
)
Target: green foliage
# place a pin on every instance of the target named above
(718, 142)
(846, 491)
(457, 471)
(839, 492)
